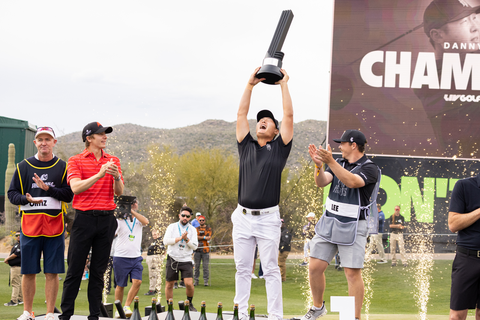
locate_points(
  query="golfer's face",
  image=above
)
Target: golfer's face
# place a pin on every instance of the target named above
(463, 31)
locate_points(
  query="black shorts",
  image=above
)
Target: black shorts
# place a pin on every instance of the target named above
(465, 291)
(173, 267)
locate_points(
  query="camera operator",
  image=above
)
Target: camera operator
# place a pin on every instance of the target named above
(127, 259)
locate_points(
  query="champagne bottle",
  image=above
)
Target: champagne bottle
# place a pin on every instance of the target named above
(153, 313)
(252, 312)
(219, 311)
(136, 312)
(235, 312)
(186, 313)
(203, 315)
(170, 315)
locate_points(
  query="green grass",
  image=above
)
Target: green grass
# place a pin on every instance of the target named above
(393, 290)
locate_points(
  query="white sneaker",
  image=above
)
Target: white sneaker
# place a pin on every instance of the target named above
(49, 316)
(128, 311)
(26, 316)
(314, 313)
(382, 261)
(254, 276)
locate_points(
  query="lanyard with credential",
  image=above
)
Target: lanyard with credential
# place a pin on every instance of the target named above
(180, 231)
(131, 236)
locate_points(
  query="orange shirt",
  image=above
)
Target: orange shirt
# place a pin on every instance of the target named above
(100, 195)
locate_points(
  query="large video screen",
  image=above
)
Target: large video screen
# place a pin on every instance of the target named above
(407, 74)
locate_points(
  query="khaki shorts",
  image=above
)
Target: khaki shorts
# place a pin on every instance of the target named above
(351, 256)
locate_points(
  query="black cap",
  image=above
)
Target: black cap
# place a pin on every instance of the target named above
(440, 12)
(94, 127)
(266, 114)
(352, 136)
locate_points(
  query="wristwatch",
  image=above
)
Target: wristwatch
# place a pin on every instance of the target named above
(117, 178)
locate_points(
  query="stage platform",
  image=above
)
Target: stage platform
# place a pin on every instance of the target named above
(161, 316)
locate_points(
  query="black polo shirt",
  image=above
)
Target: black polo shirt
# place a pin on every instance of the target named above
(466, 198)
(261, 172)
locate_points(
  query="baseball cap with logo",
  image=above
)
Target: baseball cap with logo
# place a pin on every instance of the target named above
(352, 136)
(266, 114)
(311, 215)
(94, 127)
(198, 214)
(46, 130)
(440, 12)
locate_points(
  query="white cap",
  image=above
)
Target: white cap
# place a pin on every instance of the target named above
(311, 215)
(198, 214)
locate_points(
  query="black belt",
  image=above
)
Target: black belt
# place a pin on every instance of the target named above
(96, 213)
(473, 253)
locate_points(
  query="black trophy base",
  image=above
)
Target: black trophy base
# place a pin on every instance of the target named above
(271, 73)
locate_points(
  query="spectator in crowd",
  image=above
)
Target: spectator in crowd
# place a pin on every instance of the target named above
(397, 226)
(181, 240)
(378, 238)
(195, 223)
(202, 254)
(308, 232)
(14, 261)
(155, 253)
(284, 250)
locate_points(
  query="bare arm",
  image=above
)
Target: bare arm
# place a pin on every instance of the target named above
(321, 177)
(350, 180)
(242, 121)
(460, 221)
(142, 219)
(286, 130)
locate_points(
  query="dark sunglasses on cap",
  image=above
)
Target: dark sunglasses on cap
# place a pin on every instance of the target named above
(185, 216)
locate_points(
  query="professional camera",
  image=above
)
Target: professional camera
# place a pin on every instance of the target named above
(124, 207)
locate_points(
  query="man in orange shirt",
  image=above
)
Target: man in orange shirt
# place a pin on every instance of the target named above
(202, 254)
(94, 177)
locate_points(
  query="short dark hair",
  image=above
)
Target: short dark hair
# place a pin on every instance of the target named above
(185, 208)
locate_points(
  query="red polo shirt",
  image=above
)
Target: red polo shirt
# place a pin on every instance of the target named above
(100, 195)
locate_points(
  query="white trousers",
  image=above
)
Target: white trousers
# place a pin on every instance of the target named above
(263, 230)
(378, 243)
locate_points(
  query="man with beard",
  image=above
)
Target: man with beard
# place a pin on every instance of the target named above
(181, 240)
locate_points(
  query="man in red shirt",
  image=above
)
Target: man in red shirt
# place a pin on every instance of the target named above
(94, 177)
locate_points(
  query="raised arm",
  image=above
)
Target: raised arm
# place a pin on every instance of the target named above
(242, 122)
(286, 130)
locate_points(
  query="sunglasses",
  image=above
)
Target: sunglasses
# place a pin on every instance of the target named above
(201, 220)
(185, 216)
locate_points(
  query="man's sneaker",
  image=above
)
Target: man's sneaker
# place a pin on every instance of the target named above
(382, 261)
(405, 265)
(175, 285)
(195, 283)
(10, 304)
(261, 277)
(254, 276)
(315, 313)
(49, 316)
(192, 308)
(394, 264)
(181, 284)
(26, 316)
(206, 284)
(150, 293)
(20, 302)
(303, 264)
(128, 311)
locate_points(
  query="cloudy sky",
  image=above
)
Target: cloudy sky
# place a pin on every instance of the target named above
(162, 64)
